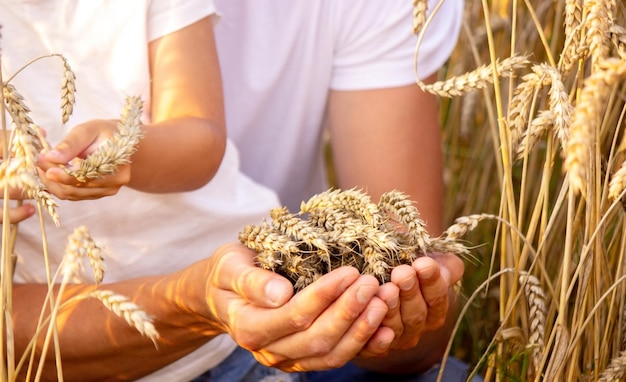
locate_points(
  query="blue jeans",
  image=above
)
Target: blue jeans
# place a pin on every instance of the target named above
(241, 366)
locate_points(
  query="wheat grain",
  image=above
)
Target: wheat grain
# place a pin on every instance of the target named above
(618, 38)
(618, 183)
(538, 126)
(129, 311)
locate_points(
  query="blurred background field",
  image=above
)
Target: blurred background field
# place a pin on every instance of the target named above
(540, 145)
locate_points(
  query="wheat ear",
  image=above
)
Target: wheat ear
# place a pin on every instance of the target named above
(129, 311)
(476, 79)
(117, 150)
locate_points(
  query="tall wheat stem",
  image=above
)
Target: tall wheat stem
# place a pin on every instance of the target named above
(7, 352)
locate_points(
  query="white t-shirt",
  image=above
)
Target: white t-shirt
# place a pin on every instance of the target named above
(279, 58)
(105, 43)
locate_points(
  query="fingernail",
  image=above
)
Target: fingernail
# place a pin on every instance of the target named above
(384, 344)
(407, 284)
(365, 293)
(275, 292)
(375, 316)
(393, 303)
(53, 155)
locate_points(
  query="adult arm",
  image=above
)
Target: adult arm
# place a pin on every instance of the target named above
(387, 139)
(183, 145)
(321, 327)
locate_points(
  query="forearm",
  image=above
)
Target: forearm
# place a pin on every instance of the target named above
(98, 345)
(186, 152)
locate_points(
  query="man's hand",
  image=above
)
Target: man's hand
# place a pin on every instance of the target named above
(418, 302)
(323, 326)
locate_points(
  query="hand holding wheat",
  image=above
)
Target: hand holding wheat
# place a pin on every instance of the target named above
(97, 154)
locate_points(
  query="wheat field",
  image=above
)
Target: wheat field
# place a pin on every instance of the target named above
(533, 111)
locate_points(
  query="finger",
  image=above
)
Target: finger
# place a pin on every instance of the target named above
(73, 145)
(413, 308)
(236, 271)
(452, 267)
(379, 344)
(390, 294)
(338, 338)
(19, 213)
(434, 287)
(60, 175)
(68, 192)
(301, 311)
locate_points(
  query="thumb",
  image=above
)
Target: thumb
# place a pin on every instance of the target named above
(62, 153)
(76, 143)
(258, 286)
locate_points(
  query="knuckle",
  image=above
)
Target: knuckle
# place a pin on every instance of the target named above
(300, 322)
(320, 346)
(417, 319)
(334, 362)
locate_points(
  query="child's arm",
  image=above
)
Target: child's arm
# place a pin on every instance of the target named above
(182, 148)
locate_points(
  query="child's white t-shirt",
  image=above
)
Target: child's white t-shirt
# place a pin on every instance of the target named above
(106, 44)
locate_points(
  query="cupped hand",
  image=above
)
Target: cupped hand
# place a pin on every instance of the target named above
(323, 326)
(81, 141)
(418, 301)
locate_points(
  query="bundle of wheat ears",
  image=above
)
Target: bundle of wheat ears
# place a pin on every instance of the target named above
(345, 228)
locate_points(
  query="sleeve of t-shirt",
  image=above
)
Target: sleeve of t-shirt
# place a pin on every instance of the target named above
(375, 43)
(168, 16)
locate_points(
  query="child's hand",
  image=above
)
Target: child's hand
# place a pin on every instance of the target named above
(81, 141)
(18, 212)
